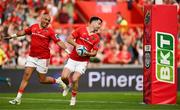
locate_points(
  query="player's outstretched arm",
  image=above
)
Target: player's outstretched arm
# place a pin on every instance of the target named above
(18, 34)
(71, 41)
(63, 46)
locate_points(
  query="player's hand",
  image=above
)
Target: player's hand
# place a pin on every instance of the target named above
(85, 54)
(4, 38)
(77, 46)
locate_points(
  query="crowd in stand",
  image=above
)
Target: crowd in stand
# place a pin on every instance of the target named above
(118, 45)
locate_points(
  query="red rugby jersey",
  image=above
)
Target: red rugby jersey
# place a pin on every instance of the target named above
(40, 39)
(82, 37)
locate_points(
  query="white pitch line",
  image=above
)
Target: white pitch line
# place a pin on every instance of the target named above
(81, 101)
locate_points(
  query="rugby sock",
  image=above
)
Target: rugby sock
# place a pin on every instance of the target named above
(74, 93)
(19, 94)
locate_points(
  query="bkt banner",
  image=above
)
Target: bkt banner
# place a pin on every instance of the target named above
(116, 79)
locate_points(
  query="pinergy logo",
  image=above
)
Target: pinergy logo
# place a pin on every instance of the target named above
(165, 57)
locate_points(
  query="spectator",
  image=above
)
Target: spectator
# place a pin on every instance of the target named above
(3, 60)
(56, 59)
(3, 57)
(64, 16)
(124, 56)
(17, 15)
(121, 22)
(110, 55)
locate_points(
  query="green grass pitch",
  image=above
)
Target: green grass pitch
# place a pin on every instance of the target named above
(85, 101)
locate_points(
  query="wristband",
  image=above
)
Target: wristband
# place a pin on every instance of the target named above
(14, 35)
(67, 51)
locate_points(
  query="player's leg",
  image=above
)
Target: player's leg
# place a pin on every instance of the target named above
(27, 74)
(75, 79)
(79, 70)
(43, 79)
(42, 69)
(70, 79)
(65, 75)
(29, 68)
(64, 79)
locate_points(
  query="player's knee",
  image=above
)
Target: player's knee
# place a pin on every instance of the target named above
(26, 76)
(64, 76)
(74, 80)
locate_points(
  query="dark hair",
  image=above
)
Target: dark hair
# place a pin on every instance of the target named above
(95, 18)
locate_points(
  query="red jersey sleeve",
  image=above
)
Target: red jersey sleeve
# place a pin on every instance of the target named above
(28, 30)
(53, 36)
(75, 33)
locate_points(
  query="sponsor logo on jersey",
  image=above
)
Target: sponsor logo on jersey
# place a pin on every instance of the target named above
(40, 35)
(86, 40)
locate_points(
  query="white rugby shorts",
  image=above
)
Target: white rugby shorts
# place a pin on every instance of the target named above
(41, 65)
(76, 66)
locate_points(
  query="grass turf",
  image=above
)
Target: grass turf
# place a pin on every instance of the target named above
(85, 101)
